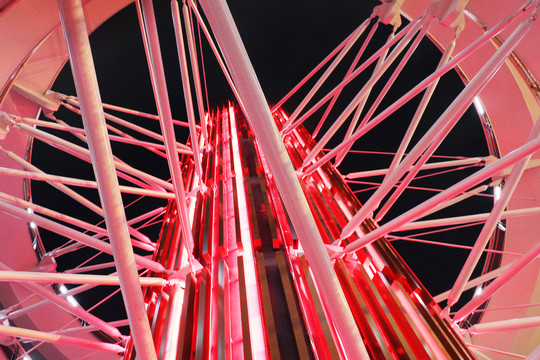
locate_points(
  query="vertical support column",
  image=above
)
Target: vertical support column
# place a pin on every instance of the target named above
(260, 118)
(73, 24)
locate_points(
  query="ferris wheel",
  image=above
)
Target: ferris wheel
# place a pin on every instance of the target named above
(446, 170)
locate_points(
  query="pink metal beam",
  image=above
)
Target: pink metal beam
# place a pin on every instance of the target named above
(272, 147)
(494, 286)
(491, 222)
(132, 112)
(68, 219)
(55, 180)
(75, 235)
(436, 134)
(404, 60)
(503, 24)
(195, 69)
(504, 325)
(351, 69)
(454, 190)
(422, 106)
(188, 100)
(46, 277)
(313, 72)
(427, 166)
(85, 155)
(351, 77)
(475, 282)
(161, 95)
(64, 304)
(216, 52)
(183, 149)
(466, 219)
(84, 76)
(359, 31)
(73, 194)
(59, 339)
(364, 91)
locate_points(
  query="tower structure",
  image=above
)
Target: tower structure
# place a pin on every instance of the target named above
(264, 251)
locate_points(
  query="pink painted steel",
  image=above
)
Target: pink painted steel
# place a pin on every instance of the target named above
(272, 146)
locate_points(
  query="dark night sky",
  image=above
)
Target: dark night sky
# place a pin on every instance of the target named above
(285, 40)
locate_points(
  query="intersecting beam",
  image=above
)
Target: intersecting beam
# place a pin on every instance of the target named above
(84, 75)
(59, 339)
(45, 277)
(269, 139)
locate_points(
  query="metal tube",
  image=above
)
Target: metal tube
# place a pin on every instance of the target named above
(66, 305)
(56, 180)
(85, 155)
(427, 166)
(491, 222)
(454, 190)
(313, 72)
(75, 33)
(183, 149)
(352, 66)
(349, 78)
(363, 92)
(457, 220)
(358, 32)
(75, 235)
(405, 98)
(161, 95)
(188, 100)
(195, 69)
(44, 277)
(272, 147)
(384, 91)
(60, 339)
(438, 131)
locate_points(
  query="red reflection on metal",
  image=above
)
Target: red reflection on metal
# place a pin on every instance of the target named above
(255, 296)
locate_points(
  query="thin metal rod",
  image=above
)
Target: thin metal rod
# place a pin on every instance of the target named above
(54, 180)
(195, 70)
(465, 219)
(272, 147)
(84, 76)
(59, 339)
(74, 234)
(454, 190)
(411, 93)
(132, 112)
(349, 71)
(84, 154)
(159, 84)
(313, 72)
(67, 306)
(495, 351)
(422, 106)
(73, 194)
(494, 286)
(436, 134)
(188, 100)
(64, 278)
(351, 77)
(359, 31)
(388, 84)
(427, 166)
(491, 222)
(504, 325)
(88, 329)
(216, 52)
(68, 219)
(363, 92)
(182, 148)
